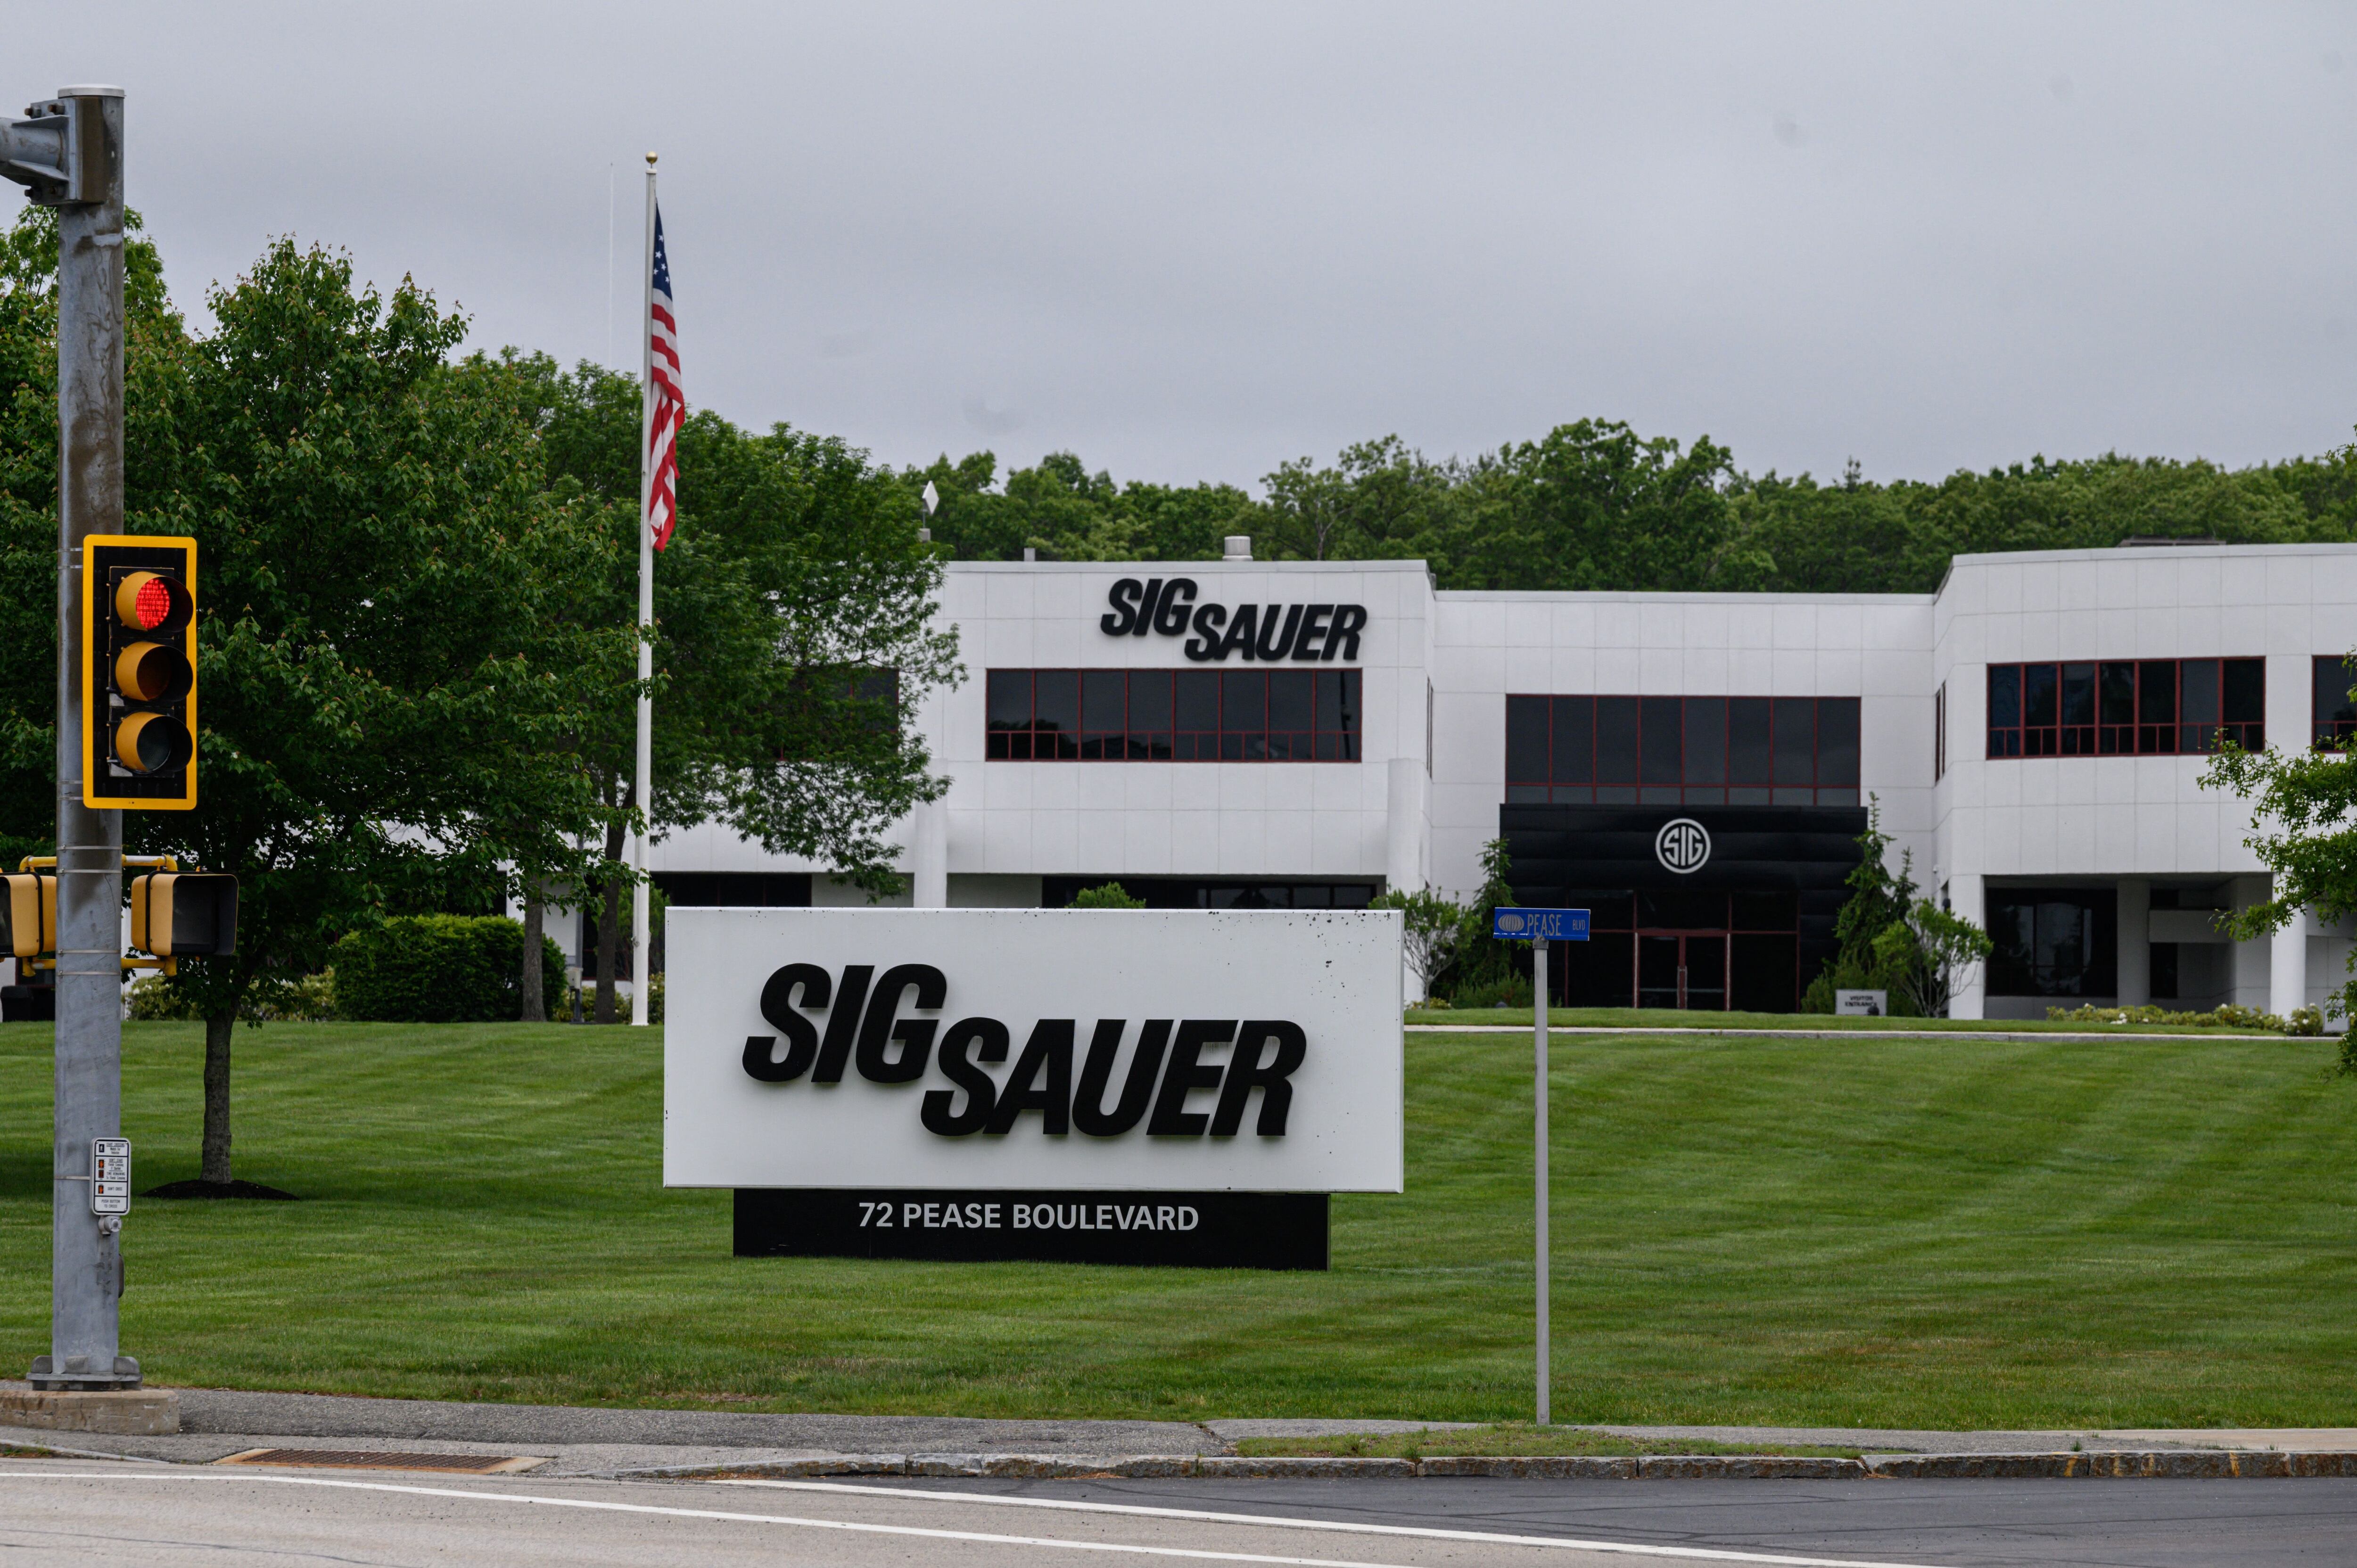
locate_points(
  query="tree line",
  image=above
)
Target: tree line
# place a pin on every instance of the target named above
(1594, 505)
(417, 582)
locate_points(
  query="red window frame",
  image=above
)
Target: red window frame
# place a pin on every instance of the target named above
(1258, 715)
(1686, 750)
(2126, 707)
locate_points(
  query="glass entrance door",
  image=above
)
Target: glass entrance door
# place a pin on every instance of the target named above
(1681, 970)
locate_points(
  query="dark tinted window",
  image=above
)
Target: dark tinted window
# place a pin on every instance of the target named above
(1574, 743)
(1706, 740)
(1747, 740)
(1796, 740)
(2333, 714)
(1161, 715)
(1526, 739)
(2052, 941)
(1615, 740)
(1699, 751)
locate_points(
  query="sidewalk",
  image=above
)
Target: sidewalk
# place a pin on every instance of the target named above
(216, 1424)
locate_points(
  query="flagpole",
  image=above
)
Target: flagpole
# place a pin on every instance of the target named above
(642, 988)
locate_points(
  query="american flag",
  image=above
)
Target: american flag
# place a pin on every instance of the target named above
(669, 403)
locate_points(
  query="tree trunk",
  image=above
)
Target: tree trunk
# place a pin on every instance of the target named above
(215, 1162)
(608, 919)
(535, 1006)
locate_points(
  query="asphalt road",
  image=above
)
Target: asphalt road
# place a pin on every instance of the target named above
(66, 1512)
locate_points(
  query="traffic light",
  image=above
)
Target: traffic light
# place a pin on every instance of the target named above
(184, 914)
(139, 672)
(28, 915)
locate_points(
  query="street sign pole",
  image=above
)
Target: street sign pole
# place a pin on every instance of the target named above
(1539, 927)
(70, 151)
(1539, 1098)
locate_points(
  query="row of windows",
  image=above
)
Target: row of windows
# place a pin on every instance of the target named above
(1172, 716)
(2126, 707)
(1696, 751)
(1647, 751)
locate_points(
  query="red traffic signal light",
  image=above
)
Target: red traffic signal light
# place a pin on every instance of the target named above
(139, 672)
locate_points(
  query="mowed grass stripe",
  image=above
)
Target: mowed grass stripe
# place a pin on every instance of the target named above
(1953, 1232)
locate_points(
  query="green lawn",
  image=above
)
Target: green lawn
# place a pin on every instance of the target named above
(1885, 1232)
(1672, 1019)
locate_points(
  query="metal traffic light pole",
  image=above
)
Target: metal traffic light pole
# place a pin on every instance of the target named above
(70, 151)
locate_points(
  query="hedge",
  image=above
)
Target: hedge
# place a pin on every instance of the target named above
(442, 969)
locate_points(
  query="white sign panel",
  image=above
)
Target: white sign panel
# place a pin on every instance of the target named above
(1136, 1050)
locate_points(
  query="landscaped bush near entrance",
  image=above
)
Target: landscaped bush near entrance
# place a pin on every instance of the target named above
(441, 969)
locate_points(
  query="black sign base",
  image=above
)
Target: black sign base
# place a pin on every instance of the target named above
(1189, 1230)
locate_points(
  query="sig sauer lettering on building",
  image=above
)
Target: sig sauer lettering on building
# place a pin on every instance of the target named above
(1302, 634)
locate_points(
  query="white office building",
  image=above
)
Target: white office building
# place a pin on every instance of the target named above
(1309, 733)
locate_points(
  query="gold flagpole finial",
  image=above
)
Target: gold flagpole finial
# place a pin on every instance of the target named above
(651, 160)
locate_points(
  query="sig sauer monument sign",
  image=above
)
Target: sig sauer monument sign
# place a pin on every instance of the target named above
(1120, 1086)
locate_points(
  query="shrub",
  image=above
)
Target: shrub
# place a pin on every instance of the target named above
(155, 999)
(1512, 991)
(440, 969)
(309, 999)
(585, 997)
(1112, 896)
(2229, 1017)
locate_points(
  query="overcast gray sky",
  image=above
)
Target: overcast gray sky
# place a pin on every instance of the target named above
(1191, 241)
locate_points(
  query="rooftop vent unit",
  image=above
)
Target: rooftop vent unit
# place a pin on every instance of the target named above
(1239, 547)
(2154, 540)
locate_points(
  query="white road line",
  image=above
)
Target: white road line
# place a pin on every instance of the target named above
(1702, 1554)
(1690, 1553)
(592, 1504)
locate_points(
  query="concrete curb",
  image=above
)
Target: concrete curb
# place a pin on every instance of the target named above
(2222, 1463)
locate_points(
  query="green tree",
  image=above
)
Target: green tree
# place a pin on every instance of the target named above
(793, 632)
(1433, 928)
(381, 696)
(2304, 831)
(1926, 955)
(1380, 500)
(1111, 895)
(154, 376)
(1879, 898)
(1481, 958)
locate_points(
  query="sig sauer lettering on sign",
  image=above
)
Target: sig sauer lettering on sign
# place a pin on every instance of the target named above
(1185, 1078)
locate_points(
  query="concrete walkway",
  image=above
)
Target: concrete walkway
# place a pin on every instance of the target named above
(217, 1422)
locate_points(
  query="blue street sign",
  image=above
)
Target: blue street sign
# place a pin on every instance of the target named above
(1543, 925)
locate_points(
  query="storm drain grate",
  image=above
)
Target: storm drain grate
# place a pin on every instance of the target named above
(371, 1459)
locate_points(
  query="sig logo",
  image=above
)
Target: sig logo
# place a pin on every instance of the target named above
(1508, 921)
(1064, 1084)
(1682, 846)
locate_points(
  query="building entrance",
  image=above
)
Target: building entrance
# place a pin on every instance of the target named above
(1681, 970)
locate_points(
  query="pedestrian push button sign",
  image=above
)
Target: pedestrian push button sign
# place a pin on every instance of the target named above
(109, 1176)
(1539, 925)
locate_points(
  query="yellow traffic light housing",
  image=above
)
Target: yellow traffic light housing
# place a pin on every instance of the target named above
(28, 915)
(184, 914)
(139, 672)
